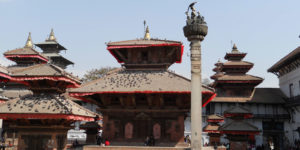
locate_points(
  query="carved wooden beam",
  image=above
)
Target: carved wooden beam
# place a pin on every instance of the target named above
(121, 55)
(149, 100)
(161, 100)
(122, 101)
(133, 100)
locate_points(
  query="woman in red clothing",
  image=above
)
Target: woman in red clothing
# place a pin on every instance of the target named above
(107, 142)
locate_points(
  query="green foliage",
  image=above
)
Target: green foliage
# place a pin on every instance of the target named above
(96, 73)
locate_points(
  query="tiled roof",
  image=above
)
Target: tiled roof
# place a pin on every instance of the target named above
(259, 95)
(138, 81)
(237, 63)
(50, 42)
(44, 104)
(238, 77)
(210, 127)
(238, 125)
(285, 60)
(237, 110)
(22, 51)
(215, 117)
(142, 42)
(43, 70)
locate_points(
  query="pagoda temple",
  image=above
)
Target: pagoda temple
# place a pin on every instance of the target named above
(143, 98)
(231, 78)
(23, 57)
(51, 48)
(213, 129)
(40, 119)
(235, 87)
(239, 132)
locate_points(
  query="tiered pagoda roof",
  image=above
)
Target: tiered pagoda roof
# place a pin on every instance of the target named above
(239, 127)
(146, 62)
(146, 53)
(47, 82)
(26, 55)
(213, 126)
(51, 48)
(231, 76)
(236, 125)
(238, 111)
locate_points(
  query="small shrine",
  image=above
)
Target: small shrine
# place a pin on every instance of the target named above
(237, 129)
(143, 98)
(213, 129)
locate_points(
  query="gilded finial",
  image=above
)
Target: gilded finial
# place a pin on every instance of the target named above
(52, 37)
(234, 49)
(147, 34)
(29, 43)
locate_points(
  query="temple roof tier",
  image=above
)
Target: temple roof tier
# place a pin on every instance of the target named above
(4, 74)
(148, 53)
(215, 118)
(24, 55)
(44, 106)
(212, 129)
(239, 127)
(238, 111)
(138, 81)
(235, 54)
(57, 77)
(259, 95)
(50, 44)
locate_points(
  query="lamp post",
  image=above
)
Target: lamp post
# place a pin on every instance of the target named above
(195, 31)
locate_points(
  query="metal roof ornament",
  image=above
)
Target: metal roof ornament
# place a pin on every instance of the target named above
(52, 37)
(147, 34)
(234, 49)
(29, 43)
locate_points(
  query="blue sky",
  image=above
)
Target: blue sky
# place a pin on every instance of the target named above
(267, 30)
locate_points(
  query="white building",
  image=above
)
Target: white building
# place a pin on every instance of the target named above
(287, 70)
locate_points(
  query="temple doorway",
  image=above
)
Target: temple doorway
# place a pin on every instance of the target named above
(143, 126)
(273, 135)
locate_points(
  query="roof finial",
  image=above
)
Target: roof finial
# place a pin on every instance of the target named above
(147, 34)
(29, 43)
(234, 49)
(52, 37)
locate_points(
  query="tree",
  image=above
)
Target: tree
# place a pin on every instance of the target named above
(206, 81)
(96, 73)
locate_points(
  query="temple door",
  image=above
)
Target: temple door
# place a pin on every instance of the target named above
(128, 130)
(156, 131)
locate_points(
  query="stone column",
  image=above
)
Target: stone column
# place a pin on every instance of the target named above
(195, 31)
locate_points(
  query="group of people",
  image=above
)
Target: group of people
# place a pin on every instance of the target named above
(150, 141)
